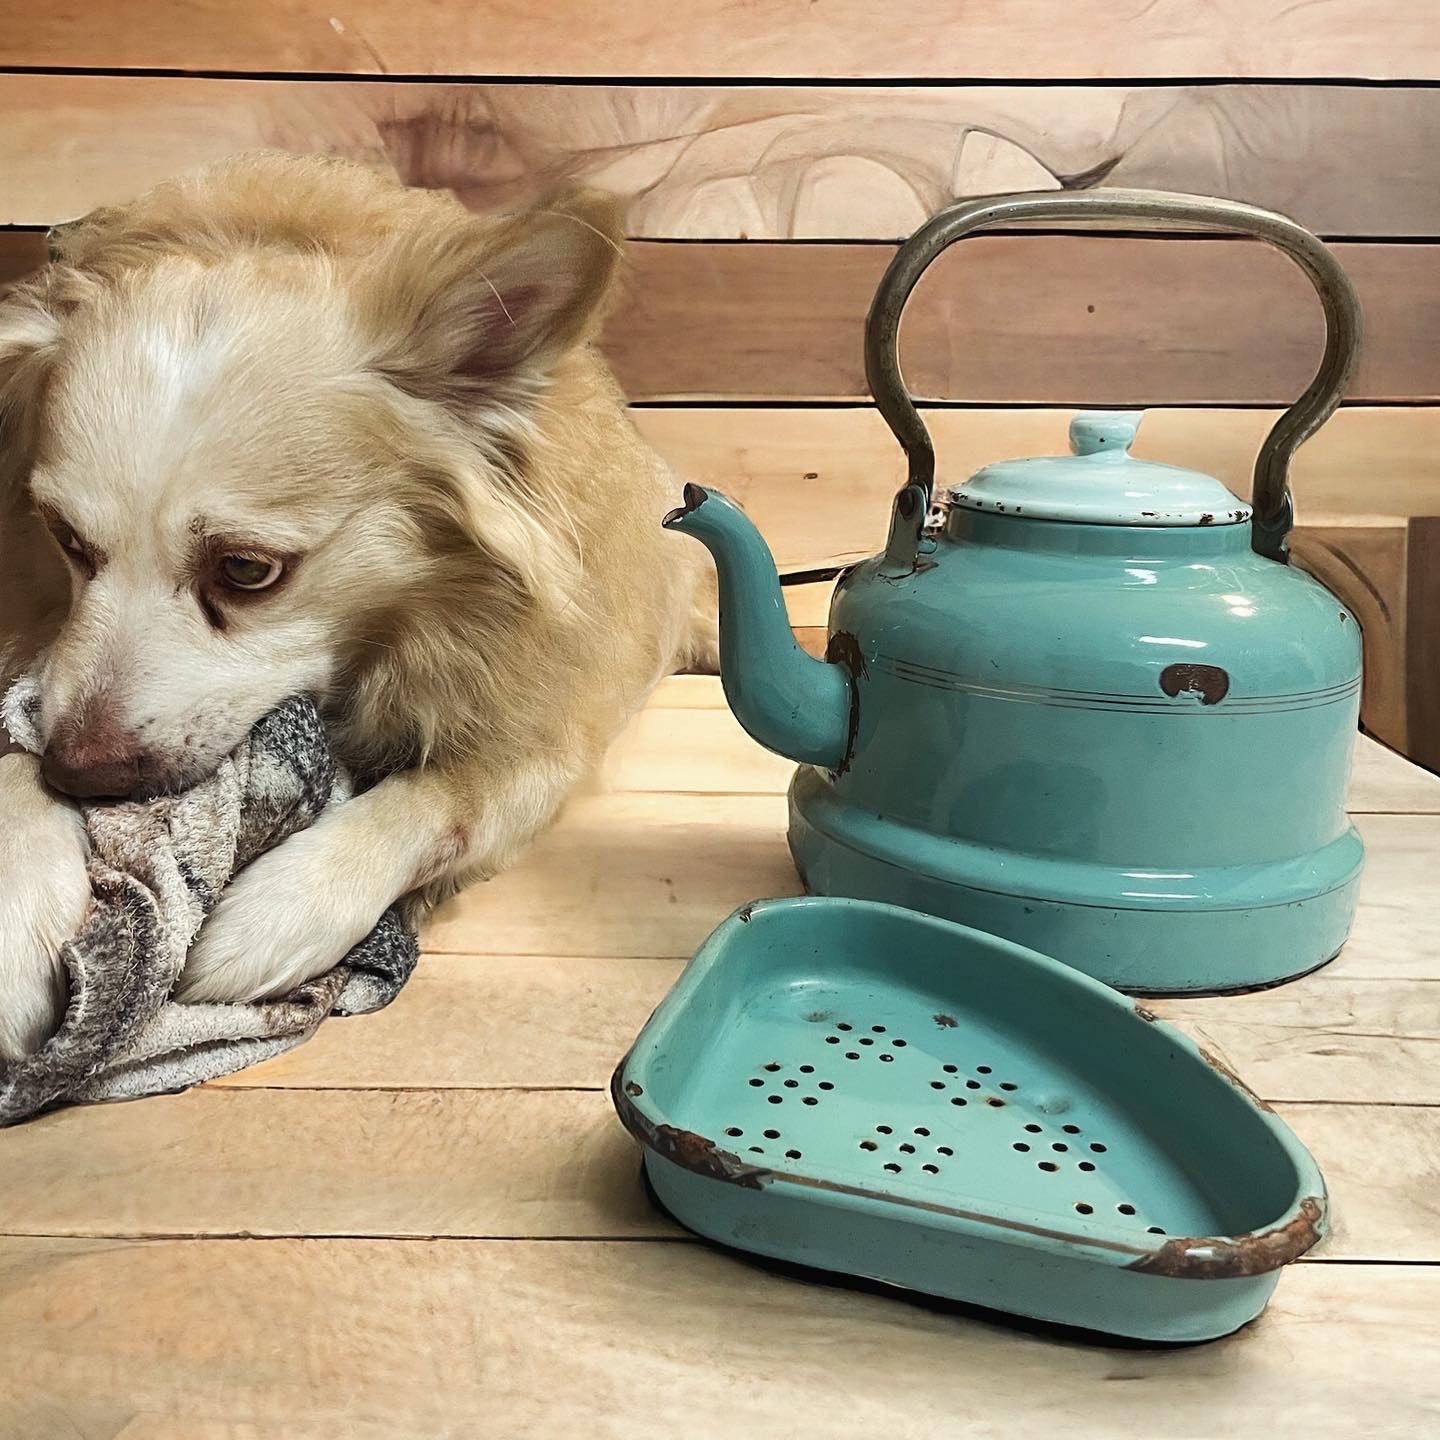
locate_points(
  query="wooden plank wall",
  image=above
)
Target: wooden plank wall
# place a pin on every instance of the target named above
(774, 154)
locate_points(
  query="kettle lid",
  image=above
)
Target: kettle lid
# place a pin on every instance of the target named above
(1101, 483)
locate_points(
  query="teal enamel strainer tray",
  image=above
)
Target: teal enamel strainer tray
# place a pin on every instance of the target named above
(882, 1094)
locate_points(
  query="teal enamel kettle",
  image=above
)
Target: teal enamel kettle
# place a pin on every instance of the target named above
(1093, 710)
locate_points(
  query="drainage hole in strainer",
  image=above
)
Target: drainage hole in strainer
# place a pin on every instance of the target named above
(756, 1150)
(972, 1084)
(1060, 1145)
(864, 1040)
(734, 1130)
(832, 1039)
(1153, 1230)
(852, 1054)
(878, 1029)
(884, 1130)
(807, 1069)
(792, 1084)
(887, 1058)
(958, 1100)
(898, 1044)
(995, 1100)
(1086, 1165)
(1071, 1129)
(792, 1154)
(772, 1134)
(1126, 1209)
(982, 1069)
(937, 1084)
(809, 1100)
(943, 1150)
(775, 1099)
(1033, 1129)
(906, 1149)
(827, 1084)
(921, 1130)
(868, 1145)
(1097, 1147)
(951, 1069)
(1008, 1085)
(1020, 1145)
(893, 1168)
(1048, 1165)
(931, 1169)
(757, 1083)
(843, 1026)
(1085, 1209)
(773, 1066)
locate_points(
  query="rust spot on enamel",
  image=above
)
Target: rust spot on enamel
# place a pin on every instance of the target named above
(1258, 1253)
(685, 1148)
(843, 649)
(1209, 682)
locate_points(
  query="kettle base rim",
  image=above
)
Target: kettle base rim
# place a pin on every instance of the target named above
(1192, 949)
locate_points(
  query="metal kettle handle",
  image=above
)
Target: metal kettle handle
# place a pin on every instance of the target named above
(1270, 497)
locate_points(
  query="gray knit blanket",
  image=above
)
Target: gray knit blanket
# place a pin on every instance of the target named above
(156, 869)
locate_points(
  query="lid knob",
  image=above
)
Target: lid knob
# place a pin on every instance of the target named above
(1095, 430)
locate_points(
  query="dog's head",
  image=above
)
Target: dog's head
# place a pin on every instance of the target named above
(263, 418)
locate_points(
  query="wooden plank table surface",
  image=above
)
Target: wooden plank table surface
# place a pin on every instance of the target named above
(428, 1223)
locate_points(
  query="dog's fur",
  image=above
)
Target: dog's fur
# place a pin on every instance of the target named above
(298, 361)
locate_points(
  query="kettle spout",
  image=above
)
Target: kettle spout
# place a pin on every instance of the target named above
(787, 700)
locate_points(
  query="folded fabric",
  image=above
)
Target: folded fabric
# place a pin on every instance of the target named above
(156, 869)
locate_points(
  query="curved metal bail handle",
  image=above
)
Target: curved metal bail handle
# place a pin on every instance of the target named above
(1270, 497)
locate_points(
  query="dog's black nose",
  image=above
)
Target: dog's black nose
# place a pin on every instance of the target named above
(94, 768)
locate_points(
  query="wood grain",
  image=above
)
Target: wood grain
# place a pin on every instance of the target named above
(21, 253)
(489, 1015)
(446, 1340)
(819, 482)
(634, 874)
(1039, 319)
(761, 162)
(626, 874)
(1367, 566)
(1423, 639)
(931, 39)
(491, 1164)
(1033, 319)
(484, 1022)
(704, 320)
(517, 1165)
(494, 1022)
(1330, 1039)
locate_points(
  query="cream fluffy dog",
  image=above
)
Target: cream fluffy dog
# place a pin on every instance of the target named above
(287, 426)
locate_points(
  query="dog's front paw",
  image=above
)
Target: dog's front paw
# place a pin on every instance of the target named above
(290, 915)
(44, 894)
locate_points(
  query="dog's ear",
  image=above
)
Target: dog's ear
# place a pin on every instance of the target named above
(488, 306)
(29, 336)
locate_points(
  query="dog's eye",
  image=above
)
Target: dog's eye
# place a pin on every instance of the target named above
(249, 572)
(74, 547)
